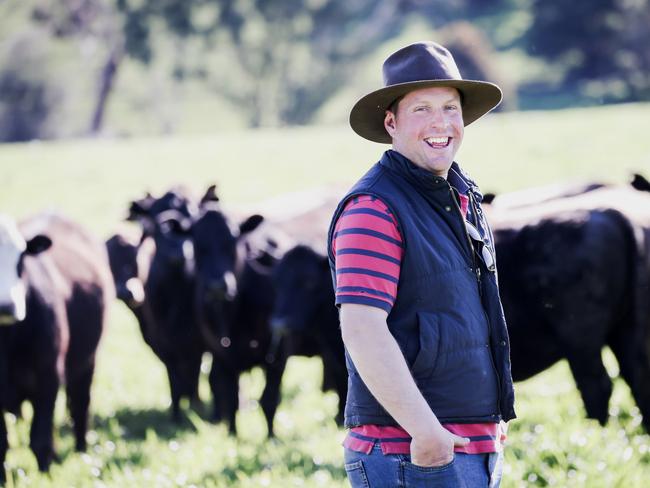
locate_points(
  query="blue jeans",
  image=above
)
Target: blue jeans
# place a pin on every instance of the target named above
(378, 470)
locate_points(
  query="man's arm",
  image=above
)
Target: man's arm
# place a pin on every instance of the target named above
(382, 366)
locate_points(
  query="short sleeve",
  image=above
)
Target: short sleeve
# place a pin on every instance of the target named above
(368, 250)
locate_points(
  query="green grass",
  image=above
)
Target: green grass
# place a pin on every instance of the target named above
(132, 441)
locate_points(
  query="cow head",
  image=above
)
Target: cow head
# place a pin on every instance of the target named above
(146, 210)
(303, 289)
(13, 251)
(172, 234)
(219, 257)
(123, 258)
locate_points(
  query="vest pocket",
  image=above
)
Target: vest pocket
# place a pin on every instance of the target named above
(429, 335)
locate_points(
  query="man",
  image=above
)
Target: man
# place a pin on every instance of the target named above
(413, 267)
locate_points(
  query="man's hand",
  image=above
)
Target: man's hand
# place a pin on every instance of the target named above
(436, 449)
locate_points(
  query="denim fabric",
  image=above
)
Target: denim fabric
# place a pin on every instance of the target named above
(377, 470)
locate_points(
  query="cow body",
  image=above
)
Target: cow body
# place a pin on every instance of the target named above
(155, 277)
(130, 260)
(167, 316)
(67, 289)
(572, 274)
(234, 298)
(305, 314)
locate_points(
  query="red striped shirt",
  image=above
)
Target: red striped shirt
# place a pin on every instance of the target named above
(483, 438)
(368, 248)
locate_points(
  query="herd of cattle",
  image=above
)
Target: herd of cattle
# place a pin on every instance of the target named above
(574, 275)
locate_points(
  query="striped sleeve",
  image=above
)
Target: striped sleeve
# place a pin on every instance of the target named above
(368, 250)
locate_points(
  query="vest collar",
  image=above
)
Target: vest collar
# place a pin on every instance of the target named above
(456, 177)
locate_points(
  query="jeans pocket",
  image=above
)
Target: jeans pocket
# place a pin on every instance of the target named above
(357, 475)
(420, 476)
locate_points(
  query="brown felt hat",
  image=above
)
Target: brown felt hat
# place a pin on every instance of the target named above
(420, 65)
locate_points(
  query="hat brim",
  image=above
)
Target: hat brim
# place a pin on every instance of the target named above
(367, 115)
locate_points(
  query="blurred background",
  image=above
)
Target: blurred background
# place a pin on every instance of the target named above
(71, 68)
(104, 100)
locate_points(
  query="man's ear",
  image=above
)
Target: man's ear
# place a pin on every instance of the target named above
(389, 122)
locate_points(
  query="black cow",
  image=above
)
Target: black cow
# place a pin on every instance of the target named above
(305, 313)
(130, 259)
(159, 269)
(234, 299)
(55, 287)
(569, 276)
(167, 317)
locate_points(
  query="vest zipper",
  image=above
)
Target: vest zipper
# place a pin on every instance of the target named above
(487, 319)
(476, 269)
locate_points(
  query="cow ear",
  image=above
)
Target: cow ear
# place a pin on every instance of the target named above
(640, 183)
(210, 195)
(488, 198)
(139, 208)
(38, 244)
(250, 224)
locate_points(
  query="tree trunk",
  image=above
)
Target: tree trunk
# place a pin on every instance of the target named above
(108, 75)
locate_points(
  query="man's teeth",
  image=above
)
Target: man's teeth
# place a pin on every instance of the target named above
(437, 140)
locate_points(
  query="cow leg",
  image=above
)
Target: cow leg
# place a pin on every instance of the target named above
(175, 389)
(224, 383)
(192, 381)
(41, 435)
(336, 380)
(4, 447)
(341, 379)
(593, 382)
(635, 370)
(271, 394)
(78, 395)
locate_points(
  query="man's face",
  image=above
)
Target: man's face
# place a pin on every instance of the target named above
(428, 128)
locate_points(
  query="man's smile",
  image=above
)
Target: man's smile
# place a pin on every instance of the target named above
(438, 142)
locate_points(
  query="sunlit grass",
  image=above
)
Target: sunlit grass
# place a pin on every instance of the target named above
(132, 441)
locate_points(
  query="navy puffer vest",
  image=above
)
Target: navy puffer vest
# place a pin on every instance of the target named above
(447, 318)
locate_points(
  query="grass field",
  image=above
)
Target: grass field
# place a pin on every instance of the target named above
(132, 441)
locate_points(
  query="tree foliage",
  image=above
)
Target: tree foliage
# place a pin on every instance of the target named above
(280, 61)
(601, 41)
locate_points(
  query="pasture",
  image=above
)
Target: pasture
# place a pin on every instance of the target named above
(133, 442)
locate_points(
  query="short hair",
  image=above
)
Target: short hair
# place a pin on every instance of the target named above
(394, 105)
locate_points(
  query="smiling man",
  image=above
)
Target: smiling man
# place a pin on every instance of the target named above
(413, 266)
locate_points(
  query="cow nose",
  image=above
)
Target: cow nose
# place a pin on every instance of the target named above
(135, 290)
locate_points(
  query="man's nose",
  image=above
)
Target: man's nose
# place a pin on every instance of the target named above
(439, 119)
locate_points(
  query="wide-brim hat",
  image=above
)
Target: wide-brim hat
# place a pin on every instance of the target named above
(420, 65)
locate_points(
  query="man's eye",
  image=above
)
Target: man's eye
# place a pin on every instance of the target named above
(451, 107)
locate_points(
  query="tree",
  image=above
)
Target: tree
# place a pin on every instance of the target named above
(598, 43)
(28, 95)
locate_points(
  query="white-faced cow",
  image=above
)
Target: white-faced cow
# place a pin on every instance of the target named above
(54, 288)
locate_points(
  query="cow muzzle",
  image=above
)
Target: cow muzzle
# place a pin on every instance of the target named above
(14, 309)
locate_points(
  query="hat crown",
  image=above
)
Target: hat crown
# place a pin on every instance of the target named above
(421, 61)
